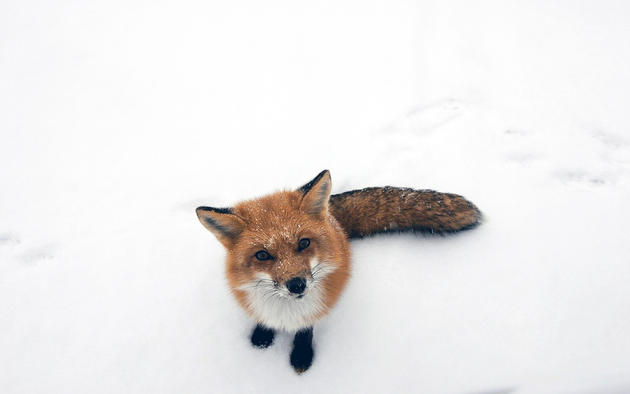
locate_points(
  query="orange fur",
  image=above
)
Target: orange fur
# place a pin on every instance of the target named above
(275, 224)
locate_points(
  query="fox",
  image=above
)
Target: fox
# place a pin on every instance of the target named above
(288, 253)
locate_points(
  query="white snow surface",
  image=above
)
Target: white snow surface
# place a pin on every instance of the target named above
(118, 118)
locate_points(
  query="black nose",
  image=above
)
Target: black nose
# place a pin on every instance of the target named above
(296, 285)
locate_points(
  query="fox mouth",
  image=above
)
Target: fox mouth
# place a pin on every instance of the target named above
(299, 296)
(266, 288)
(285, 293)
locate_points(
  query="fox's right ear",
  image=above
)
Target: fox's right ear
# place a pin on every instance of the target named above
(316, 194)
(222, 222)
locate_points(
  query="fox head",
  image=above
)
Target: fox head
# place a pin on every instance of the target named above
(287, 257)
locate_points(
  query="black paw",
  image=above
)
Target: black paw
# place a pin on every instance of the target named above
(302, 358)
(302, 353)
(262, 336)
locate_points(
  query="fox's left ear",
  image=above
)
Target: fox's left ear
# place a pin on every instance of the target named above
(316, 194)
(222, 222)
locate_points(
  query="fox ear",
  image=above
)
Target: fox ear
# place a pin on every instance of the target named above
(316, 194)
(222, 222)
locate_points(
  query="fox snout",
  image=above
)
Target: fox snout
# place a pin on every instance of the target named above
(296, 285)
(292, 275)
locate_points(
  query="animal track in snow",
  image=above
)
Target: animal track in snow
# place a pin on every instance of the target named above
(603, 157)
(13, 248)
(611, 140)
(578, 176)
(8, 240)
(431, 117)
(424, 119)
(408, 134)
(36, 255)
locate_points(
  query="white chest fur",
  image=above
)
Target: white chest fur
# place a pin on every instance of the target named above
(275, 307)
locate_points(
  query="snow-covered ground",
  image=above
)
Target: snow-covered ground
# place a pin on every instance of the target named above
(118, 118)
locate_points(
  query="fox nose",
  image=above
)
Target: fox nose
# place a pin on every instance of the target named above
(296, 285)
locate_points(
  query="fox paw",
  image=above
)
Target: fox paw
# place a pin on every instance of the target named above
(302, 358)
(262, 336)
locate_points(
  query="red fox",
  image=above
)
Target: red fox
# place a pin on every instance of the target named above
(288, 257)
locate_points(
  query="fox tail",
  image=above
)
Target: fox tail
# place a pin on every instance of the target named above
(377, 210)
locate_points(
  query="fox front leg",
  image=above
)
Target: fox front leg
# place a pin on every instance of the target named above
(302, 354)
(262, 336)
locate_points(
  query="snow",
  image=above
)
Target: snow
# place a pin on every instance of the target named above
(119, 118)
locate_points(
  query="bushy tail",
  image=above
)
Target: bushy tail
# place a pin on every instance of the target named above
(393, 209)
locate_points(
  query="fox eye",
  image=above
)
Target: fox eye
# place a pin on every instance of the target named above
(261, 255)
(303, 243)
